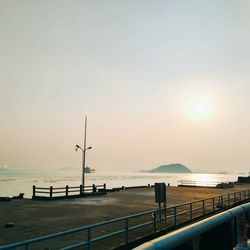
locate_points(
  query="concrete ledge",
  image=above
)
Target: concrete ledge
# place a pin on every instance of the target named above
(68, 197)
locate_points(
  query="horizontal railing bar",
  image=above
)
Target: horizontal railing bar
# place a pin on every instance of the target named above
(94, 240)
(141, 225)
(210, 198)
(84, 243)
(48, 188)
(42, 192)
(210, 205)
(193, 209)
(171, 216)
(183, 212)
(59, 192)
(197, 208)
(63, 192)
(108, 235)
(199, 182)
(123, 218)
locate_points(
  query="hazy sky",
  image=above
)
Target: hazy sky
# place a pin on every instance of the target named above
(132, 67)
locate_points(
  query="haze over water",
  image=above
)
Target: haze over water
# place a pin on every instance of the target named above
(14, 182)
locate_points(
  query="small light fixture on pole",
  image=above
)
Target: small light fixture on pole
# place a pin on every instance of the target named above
(84, 149)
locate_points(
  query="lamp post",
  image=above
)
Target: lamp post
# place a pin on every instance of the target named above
(84, 149)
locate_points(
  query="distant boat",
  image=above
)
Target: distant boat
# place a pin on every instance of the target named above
(89, 170)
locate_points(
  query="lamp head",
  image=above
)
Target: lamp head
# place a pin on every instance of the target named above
(76, 147)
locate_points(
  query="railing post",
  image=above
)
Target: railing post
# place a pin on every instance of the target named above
(228, 197)
(234, 197)
(240, 195)
(89, 238)
(34, 191)
(154, 217)
(191, 210)
(104, 186)
(126, 231)
(175, 219)
(67, 191)
(81, 192)
(203, 206)
(222, 203)
(166, 215)
(51, 191)
(213, 204)
(93, 188)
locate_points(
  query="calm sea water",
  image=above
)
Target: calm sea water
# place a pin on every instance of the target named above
(15, 182)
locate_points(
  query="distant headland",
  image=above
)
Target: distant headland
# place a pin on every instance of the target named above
(169, 168)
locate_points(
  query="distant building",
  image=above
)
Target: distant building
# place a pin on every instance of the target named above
(89, 170)
(243, 179)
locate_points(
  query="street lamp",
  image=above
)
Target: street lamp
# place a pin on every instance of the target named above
(84, 149)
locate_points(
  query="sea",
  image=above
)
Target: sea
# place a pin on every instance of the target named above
(13, 182)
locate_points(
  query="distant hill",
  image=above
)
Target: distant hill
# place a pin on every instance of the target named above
(171, 168)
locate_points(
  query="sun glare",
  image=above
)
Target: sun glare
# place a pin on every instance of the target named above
(199, 108)
(203, 179)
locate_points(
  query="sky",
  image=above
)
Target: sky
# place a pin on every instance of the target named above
(136, 69)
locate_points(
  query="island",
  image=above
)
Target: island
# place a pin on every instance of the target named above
(170, 168)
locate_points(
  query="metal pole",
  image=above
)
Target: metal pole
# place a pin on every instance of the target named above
(83, 154)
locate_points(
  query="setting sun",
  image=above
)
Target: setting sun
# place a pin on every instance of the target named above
(199, 107)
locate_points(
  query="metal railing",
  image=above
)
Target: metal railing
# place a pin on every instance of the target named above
(230, 227)
(205, 184)
(125, 230)
(67, 191)
(198, 183)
